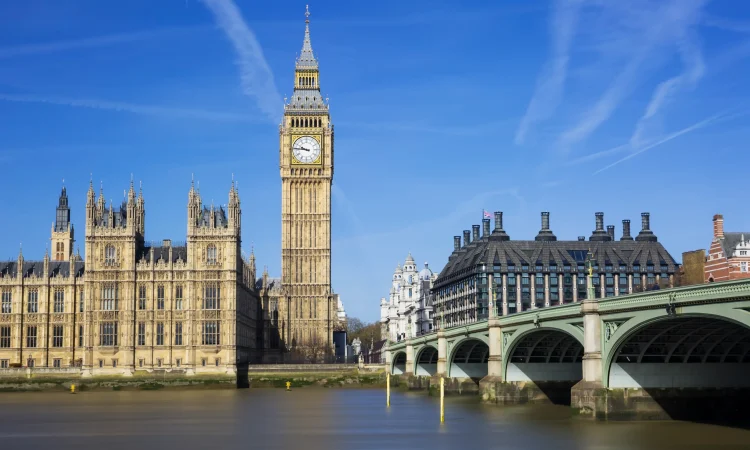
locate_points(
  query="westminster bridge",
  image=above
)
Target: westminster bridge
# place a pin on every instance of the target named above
(658, 354)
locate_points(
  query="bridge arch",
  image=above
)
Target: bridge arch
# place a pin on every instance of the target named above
(469, 358)
(547, 353)
(425, 362)
(696, 350)
(399, 364)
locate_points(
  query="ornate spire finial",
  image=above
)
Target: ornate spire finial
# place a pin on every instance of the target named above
(140, 188)
(63, 182)
(307, 13)
(192, 180)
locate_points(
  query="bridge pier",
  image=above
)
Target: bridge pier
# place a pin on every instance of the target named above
(409, 357)
(491, 387)
(442, 354)
(589, 395)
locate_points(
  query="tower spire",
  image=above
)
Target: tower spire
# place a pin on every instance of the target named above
(306, 59)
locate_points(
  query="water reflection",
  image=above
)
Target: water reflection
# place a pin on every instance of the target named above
(312, 419)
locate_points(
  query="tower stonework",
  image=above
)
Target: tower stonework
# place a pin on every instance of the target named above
(305, 312)
(62, 230)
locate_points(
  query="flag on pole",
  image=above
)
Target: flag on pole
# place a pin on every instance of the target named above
(487, 215)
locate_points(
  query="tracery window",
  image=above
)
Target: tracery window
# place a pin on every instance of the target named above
(109, 297)
(59, 304)
(211, 293)
(109, 255)
(211, 254)
(210, 333)
(108, 334)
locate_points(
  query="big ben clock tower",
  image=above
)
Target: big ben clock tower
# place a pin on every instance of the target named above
(306, 312)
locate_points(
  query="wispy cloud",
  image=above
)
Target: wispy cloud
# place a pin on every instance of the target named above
(416, 127)
(256, 77)
(667, 138)
(151, 110)
(598, 155)
(727, 24)
(666, 90)
(92, 42)
(549, 88)
(646, 38)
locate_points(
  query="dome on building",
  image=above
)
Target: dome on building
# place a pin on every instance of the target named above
(398, 272)
(409, 260)
(425, 274)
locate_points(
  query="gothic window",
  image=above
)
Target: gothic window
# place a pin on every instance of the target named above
(33, 304)
(59, 251)
(211, 254)
(109, 255)
(109, 297)
(178, 297)
(80, 335)
(6, 303)
(5, 337)
(59, 305)
(178, 333)
(160, 297)
(31, 336)
(141, 333)
(210, 333)
(211, 296)
(108, 334)
(80, 301)
(141, 297)
(57, 336)
(160, 333)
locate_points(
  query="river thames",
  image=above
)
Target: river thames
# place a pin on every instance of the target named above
(312, 419)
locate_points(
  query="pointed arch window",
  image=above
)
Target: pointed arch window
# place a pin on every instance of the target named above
(109, 255)
(211, 254)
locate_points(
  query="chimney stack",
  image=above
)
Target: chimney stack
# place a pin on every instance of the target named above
(475, 233)
(718, 226)
(456, 243)
(626, 231)
(599, 234)
(645, 222)
(467, 237)
(545, 234)
(485, 228)
(611, 231)
(645, 235)
(498, 220)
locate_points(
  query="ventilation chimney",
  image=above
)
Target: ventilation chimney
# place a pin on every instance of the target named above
(581, 238)
(467, 237)
(718, 226)
(599, 234)
(485, 228)
(611, 231)
(545, 234)
(456, 243)
(646, 235)
(626, 231)
(475, 233)
(499, 234)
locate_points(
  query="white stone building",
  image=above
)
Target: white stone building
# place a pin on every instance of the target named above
(407, 312)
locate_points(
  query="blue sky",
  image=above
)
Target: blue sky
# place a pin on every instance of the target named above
(441, 109)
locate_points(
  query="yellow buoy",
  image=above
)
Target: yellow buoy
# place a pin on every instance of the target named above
(72, 388)
(288, 385)
(442, 399)
(388, 389)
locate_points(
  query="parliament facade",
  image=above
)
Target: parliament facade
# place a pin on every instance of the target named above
(129, 304)
(197, 306)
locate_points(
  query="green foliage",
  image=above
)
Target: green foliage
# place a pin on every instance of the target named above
(367, 333)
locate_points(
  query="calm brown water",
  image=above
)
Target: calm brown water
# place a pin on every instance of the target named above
(315, 419)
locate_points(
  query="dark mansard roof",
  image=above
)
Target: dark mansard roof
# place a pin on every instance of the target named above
(162, 252)
(499, 250)
(62, 268)
(219, 216)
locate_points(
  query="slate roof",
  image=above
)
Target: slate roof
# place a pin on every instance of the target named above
(307, 100)
(731, 240)
(220, 217)
(306, 59)
(10, 268)
(119, 216)
(501, 251)
(162, 252)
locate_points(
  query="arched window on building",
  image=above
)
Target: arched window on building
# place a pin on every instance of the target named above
(109, 255)
(211, 254)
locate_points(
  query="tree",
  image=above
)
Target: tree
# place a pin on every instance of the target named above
(366, 332)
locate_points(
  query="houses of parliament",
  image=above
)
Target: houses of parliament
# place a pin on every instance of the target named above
(127, 304)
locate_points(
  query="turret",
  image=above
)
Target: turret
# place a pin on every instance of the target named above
(233, 208)
(62, 236)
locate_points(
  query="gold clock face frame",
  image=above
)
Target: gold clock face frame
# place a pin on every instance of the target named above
(306, 149)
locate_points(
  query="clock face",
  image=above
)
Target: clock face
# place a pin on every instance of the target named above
(306, 149)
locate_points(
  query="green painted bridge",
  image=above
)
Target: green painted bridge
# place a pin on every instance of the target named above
(638, 355)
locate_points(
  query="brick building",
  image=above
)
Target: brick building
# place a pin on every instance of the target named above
(729, 255)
